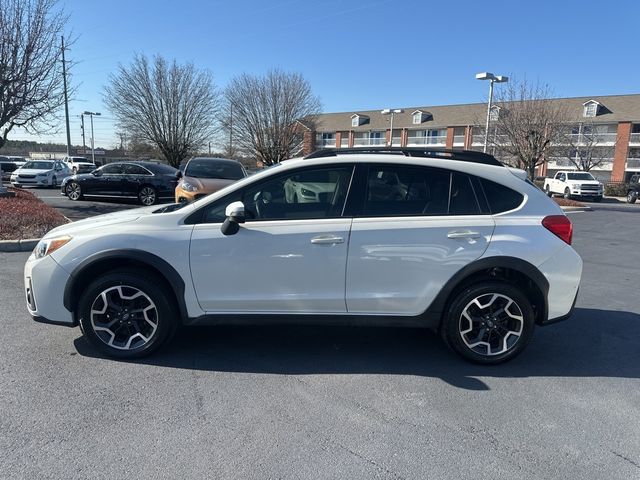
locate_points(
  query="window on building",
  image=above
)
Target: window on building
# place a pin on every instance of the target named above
(355, 121)
(494, 114)
(417, 118)
(590, 109)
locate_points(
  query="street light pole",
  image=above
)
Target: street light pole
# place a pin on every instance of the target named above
(93, 152)
(392, 112)
(492, 79)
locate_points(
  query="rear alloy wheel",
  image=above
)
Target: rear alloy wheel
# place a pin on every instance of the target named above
(489, 323)
(147, 195)
(631, 198)
(73, 191)
(127, 314)
(567, 193)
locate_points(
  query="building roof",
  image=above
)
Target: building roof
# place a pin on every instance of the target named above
(613, 109)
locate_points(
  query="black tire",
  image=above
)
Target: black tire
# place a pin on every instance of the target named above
(631, 198)
(597, 199)
(455, 324)
(74, 170)
(73, 190)
(54, 182)
(147, 195)
(125, 316)
(567, 193)
(547, 191)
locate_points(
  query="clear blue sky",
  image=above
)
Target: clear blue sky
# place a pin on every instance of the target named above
(361, 55)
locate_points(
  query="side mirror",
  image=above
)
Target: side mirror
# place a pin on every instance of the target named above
(235, 216)
(179, 174)
(96, 173)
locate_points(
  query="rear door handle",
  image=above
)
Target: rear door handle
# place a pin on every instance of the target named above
(463, 234)
(327, 240)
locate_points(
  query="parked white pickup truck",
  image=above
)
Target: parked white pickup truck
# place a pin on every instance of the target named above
(574, 184)
(79, 164)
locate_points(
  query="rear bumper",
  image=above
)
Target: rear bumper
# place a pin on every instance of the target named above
(563, 271)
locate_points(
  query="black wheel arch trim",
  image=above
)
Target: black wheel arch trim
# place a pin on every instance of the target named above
(173, 278)
(436, 309)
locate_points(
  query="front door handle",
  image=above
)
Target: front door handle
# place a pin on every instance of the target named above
(327, 240)
(463, 234)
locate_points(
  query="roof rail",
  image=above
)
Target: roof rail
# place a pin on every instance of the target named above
(451, 154)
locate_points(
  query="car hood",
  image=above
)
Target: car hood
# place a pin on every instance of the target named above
(584, 182)
(208, 185)
(100, 221)
(31, 171)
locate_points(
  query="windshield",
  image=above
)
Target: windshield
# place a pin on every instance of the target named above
(207, 168)
(38, 165)
(581, 176)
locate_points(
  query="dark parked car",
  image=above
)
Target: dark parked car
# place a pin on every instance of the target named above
(146, 181)
(633, 192)
(7, 166)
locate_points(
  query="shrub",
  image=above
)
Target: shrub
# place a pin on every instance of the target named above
(616, 189)
(539, 184)
(563, 202)
(26, 216)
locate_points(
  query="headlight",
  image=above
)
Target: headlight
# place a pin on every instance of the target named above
(50, 245)
(187, 187)
(307, 193)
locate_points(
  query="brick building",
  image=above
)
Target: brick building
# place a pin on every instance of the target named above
(615, 118)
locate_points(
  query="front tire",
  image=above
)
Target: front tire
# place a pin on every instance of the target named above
(567, 193)
(631, 198)
(74, 191)
(127, 314)
(548, 191)
(54, 182)
(147, 195)
(488, 323)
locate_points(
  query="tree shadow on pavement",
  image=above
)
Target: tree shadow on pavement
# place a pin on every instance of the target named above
(593, 343)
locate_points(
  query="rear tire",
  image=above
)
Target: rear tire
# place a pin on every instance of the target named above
(127, 314)
(147, 195)
(488, 323)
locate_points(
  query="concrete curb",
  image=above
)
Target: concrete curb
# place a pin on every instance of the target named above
(577, 209)
(24, 245)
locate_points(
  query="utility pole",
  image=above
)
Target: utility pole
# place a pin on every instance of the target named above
(84, 145)
(66, 99)
(209, 148)
(93, 153)
(231, 132)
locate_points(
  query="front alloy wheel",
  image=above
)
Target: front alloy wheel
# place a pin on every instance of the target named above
(489, 323)
(74, 191)
(147, 195)
(567, 194)
(127, 313)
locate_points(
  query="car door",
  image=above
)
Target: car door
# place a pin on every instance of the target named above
(133, 178)
(111, 182)
(288, 257)
(414, 228)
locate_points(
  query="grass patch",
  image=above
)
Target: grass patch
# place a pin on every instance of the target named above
(563, 202)
(26, 216)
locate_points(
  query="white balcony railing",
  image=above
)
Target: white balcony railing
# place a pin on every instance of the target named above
(635, 138)
(595, 138)
(633, 163)
(434, 140)
(326, 143)
(458, 140)
(344, 141)
(369, 142)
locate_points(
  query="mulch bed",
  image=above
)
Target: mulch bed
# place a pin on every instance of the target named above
(563, 202)
(26, 216)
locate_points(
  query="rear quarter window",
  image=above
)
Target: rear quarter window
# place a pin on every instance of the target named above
(501, 198)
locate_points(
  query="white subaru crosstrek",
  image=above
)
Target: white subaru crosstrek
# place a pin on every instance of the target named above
(451, 240)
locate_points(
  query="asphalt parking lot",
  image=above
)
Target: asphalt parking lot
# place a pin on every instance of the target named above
(344, 403)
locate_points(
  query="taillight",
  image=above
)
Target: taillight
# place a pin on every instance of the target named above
(560, 226)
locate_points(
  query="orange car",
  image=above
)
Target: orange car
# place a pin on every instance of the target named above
(203, 176)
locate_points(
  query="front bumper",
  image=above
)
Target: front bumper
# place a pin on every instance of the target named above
(44, 282)
(37, 182)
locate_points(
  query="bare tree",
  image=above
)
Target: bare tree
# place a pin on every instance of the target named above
(528, 124)
(585, 145)
(171, 106)
(263, 112)
(31, 83)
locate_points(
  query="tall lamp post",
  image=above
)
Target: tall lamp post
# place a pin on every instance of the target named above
(392, 112)
(93, 152)
(492, 79)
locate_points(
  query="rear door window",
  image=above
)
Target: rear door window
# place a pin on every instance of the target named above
(500, 198)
